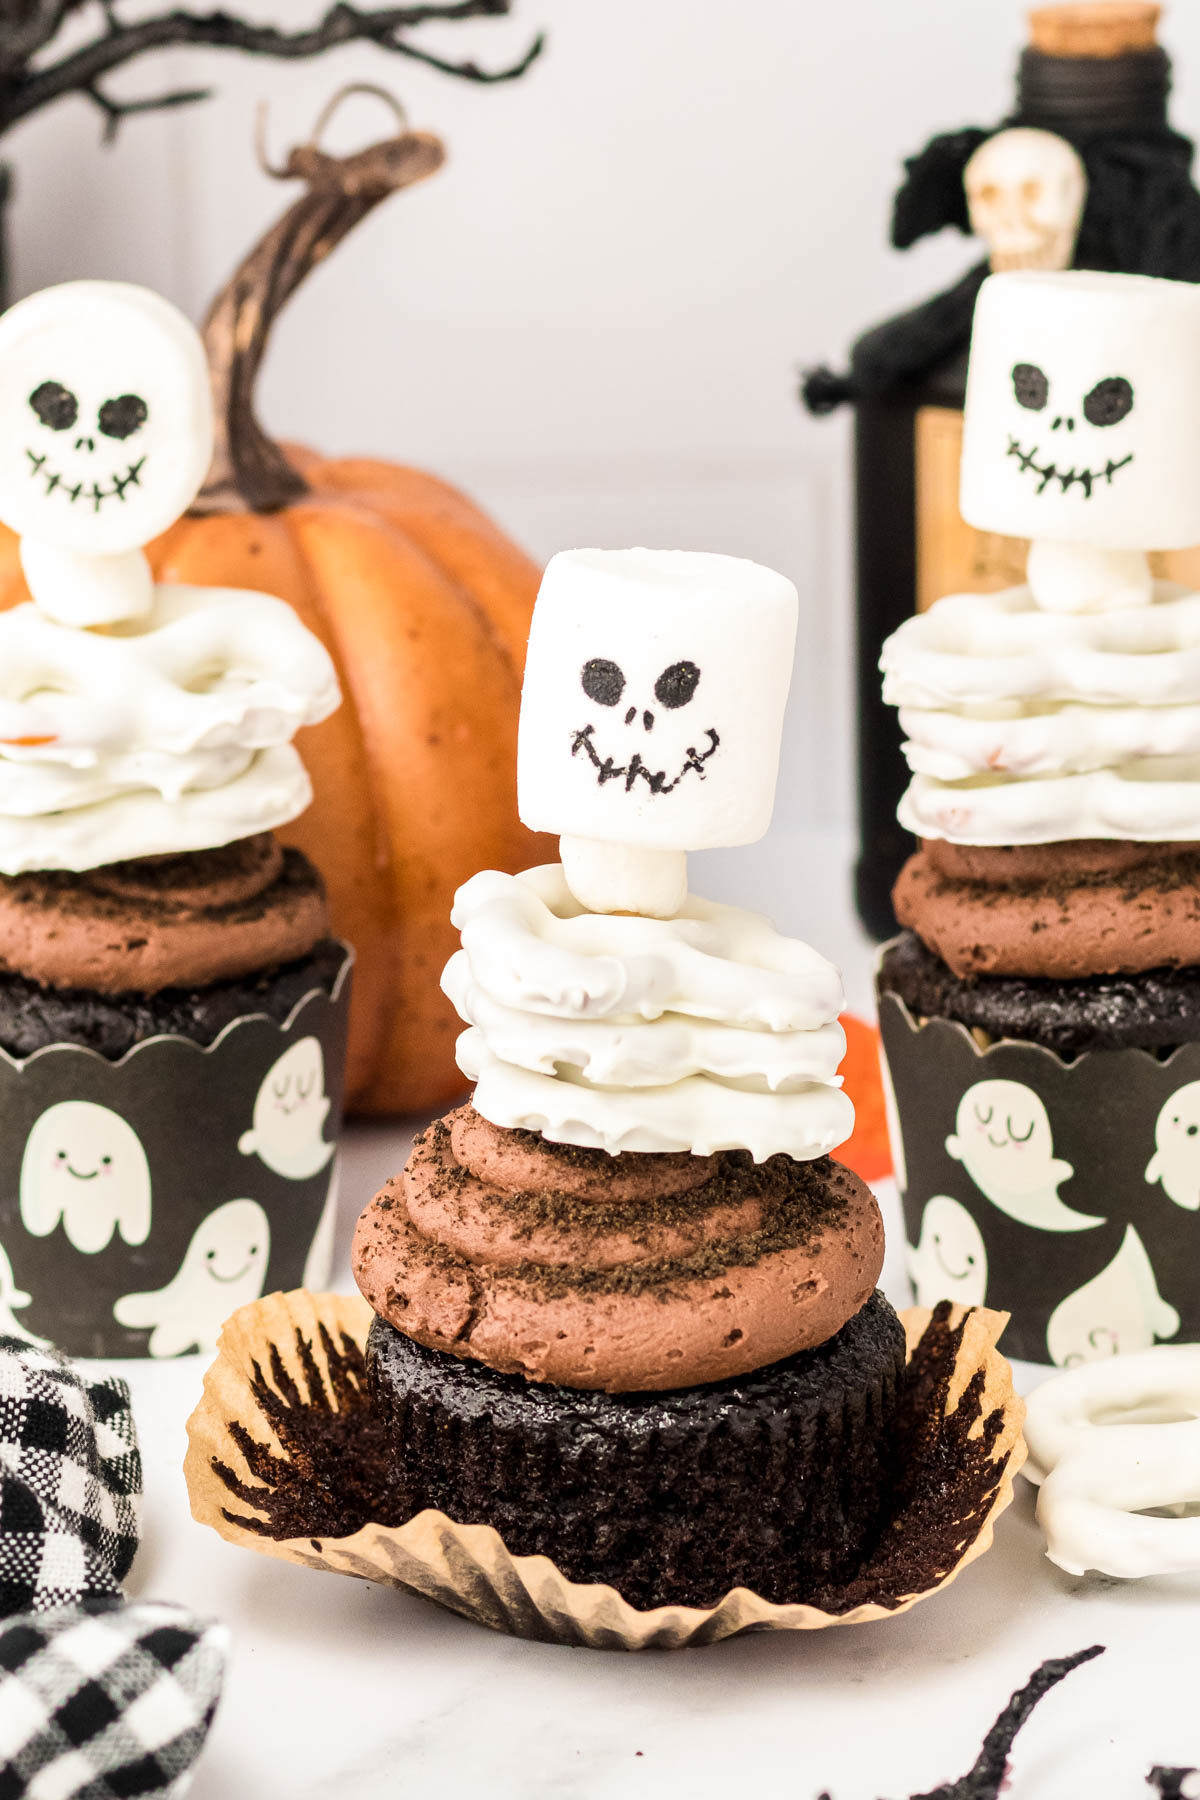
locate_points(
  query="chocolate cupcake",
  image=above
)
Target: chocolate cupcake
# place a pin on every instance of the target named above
(625, 1303)
(629, 1363)
(172, 1006)
(1041, 1011)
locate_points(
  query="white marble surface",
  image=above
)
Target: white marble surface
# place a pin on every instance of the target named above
(340, 1690)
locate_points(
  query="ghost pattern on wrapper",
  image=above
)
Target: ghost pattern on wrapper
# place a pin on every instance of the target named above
(1003, 1140)
(224, 1266)
(1079, 430)
(949, 1260)
(84, 1168)
(12, 1301)
(1117, 1311)
(290, 1110)
(106, 427)
(1176, 1160)
(651, 715)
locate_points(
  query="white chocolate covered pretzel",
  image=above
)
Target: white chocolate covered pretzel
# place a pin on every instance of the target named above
(1111, 1442)
(169, 734)
(709, 1031)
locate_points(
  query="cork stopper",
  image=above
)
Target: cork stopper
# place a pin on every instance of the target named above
(1095, 28)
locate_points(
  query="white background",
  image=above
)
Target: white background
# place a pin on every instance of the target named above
(593, 318)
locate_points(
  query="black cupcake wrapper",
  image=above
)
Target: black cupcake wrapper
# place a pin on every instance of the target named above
(1072, 1201)
(200, 1205)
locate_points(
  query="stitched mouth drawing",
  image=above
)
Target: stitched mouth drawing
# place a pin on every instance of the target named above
(1045, 473)
(635, 770)
(59, 484)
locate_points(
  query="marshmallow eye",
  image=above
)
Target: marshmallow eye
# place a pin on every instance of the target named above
(1110, 401)
(676, 685)
(1031, 386)
(121, 417)
(55, 405)
(602, 681)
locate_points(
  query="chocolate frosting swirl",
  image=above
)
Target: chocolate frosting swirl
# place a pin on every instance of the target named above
(1092, 907)
(621, 1273)
(163, 922)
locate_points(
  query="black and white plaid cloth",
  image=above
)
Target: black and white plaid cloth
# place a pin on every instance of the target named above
(70, 1483)
(1175, 1784)
(106, 1706)
(98, 1700)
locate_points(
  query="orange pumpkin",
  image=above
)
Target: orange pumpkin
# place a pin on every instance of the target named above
(424, 605)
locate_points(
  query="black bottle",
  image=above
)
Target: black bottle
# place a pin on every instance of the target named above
(1103, 87)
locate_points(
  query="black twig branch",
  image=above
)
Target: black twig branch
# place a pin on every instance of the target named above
(990, 1771)
(988, 1775)
(116, 110)
(25, 89)
(29, 27)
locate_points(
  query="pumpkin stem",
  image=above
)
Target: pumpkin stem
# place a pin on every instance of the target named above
(250, 472)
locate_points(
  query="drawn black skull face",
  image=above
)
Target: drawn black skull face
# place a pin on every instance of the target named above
(652, 706)
(1083, 392)
(627, 752)
(88, 460)
(1052, 451)
(105, 419)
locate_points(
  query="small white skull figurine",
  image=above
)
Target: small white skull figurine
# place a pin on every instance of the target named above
(651, 715)
(1025, 195)
(1081, 428)
(105, 438)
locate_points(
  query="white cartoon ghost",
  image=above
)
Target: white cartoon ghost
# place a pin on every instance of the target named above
(1176, 1159)
(1119, 1310)
(1002, 1139)
(84, 1165)
(12, 1301)
(948, 1262)
(223, 1267)
(289, 1114)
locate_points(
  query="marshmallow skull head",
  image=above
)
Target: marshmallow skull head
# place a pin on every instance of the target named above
(654, 695)
(1025, 196)
(1083, 395)
(105, 416)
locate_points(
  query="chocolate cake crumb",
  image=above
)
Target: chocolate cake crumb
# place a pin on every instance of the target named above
(813, 1200)
(800, 1201)
(1173, 870)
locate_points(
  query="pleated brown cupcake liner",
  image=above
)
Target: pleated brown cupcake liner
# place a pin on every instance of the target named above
(298, 1356)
